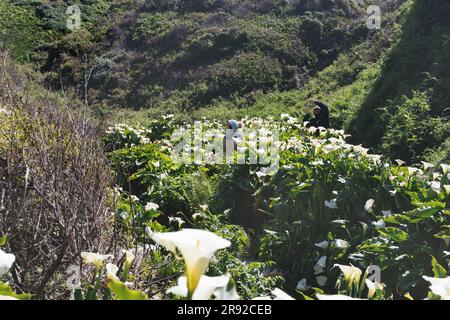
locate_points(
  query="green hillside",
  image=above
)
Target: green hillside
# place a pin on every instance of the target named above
(113, 185)
(233, 58)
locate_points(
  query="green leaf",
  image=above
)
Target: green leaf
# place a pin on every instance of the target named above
(375, 245)
(3, 241)
(394, 234)
(305, 296)
(5, 290)
(438, 270)
(443, 234)
(122, 292)
(397, 219)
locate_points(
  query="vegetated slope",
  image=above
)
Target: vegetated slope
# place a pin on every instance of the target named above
(395, 101)
(407, 110)
(224, 59)
(189, 54)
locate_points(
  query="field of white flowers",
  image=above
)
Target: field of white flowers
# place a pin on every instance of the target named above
(330, 221)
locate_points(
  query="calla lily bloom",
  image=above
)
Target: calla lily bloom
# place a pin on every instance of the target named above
(205, 288)
(281, 295)
(369, 205)
(447, 189)
(196, 246)
(440, 287)
(332, 204)
(151, 206)
(427, 165)
(6, 262)
(111, 271)
(341, 244)
(323, 245)
(320, 265)
(129, 257)
(351, 274)
(7, 298)
(302, 285)
(445, 168)
(95, 258)
(373, 287)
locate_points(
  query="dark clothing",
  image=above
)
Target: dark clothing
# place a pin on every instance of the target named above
(323, 118)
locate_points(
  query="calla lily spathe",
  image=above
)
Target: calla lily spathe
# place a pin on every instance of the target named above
(351, 274)
(7, 298)
(440, 287)
(205, 288)
(6, 262)
(196, 246)
(373, 287)
(95, 258)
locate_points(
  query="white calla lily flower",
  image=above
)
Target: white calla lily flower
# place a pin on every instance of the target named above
(380, 224)
(435, 186)
(351, 274)
(151, 206)
(341, 244)
(332, 204)
(281, 295)
(302, 285)
(447, 188)
(322, 245)
(95, 258)
(129, 257)
(320, 265)
(196, 246)
(440, 287)
(369, 205)
(111, 271)
(6, 262)
(373, 287)
(5, 298)
(445, 168)
(205, 288)
(427, 165)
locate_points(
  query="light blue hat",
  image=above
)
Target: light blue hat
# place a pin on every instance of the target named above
(234, 124)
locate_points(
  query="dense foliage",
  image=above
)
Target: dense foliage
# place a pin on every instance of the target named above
(91, 209)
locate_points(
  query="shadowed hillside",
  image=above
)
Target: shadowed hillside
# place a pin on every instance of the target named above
(407, 109)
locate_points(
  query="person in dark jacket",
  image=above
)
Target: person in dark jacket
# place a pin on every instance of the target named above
(321, 115)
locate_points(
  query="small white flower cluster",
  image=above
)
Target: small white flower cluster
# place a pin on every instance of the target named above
(136, 132)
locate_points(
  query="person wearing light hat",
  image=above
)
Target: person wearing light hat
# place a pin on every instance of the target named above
(232, 137)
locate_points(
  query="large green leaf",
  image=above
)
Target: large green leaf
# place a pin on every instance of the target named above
(5, 290)
(438, 270)
(3, 241)
(122, 292)
(394, 234)
(375, 245)
(443, 234)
